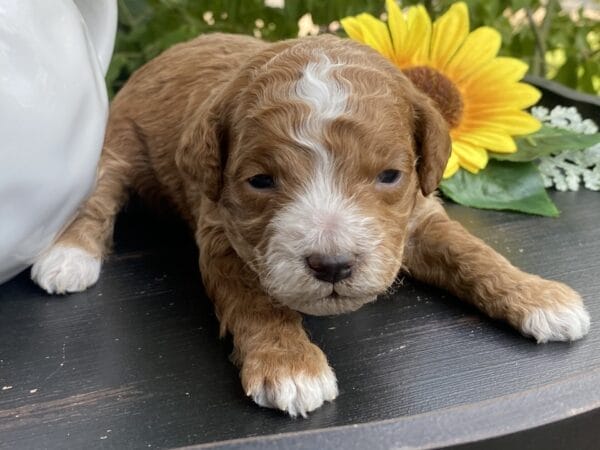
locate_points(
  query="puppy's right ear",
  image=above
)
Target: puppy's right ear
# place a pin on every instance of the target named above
(202, 151)
(204, 145)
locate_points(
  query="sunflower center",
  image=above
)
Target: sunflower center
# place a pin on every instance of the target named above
(441, 90)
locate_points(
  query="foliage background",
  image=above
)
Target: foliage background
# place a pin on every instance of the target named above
(557, 44)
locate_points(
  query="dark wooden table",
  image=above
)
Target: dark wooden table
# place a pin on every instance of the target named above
(135, 362)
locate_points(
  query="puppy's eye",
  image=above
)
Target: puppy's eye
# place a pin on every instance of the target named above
(262, 181)
(390, 176)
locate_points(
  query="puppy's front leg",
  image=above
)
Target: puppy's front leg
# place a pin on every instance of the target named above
(280, 367)
(441, 252)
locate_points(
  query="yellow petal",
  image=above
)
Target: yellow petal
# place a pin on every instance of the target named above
(353, 28)
(516, 95)
(494, 140)
(512, 122)
(376, 34)
(449, 32)
(452, 166)
(416, 49)
(499, 70)
(467, 165)
(397, 25)
(471, 157)
(478, 49)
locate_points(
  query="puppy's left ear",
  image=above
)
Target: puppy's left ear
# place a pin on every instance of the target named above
(432, 141)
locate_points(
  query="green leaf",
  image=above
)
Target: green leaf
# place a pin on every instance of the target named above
(501, 185)
(546, 141)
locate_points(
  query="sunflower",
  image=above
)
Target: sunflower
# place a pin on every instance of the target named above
(477, 92)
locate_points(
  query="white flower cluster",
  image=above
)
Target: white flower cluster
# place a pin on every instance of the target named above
(568, 169)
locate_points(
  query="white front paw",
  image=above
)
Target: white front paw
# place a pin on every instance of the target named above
(65, 269)
(297, 394)
(561, 322)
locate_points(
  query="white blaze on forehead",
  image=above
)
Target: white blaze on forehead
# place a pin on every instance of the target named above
(320, 211)
(326, 96)
(319, 88)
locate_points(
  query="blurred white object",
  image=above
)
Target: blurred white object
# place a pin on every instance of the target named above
(53, 110)
(568, 169)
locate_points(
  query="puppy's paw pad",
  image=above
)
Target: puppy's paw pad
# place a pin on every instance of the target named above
(562, 322)
(297, 394)
(65, 269)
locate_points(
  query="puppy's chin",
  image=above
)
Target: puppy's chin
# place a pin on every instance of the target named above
(329, 305)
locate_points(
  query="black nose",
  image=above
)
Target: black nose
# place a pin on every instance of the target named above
(330, 268)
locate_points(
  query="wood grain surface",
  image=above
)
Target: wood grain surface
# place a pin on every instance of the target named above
(135, 361)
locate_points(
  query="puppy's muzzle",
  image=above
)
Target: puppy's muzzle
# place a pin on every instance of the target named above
(330, 268)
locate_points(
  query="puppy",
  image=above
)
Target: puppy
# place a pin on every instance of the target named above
(306, 170)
